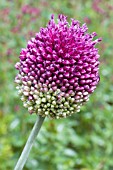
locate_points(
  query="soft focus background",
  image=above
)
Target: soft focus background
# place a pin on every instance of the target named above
(81, 142)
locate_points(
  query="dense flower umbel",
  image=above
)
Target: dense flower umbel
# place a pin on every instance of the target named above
(58, 69)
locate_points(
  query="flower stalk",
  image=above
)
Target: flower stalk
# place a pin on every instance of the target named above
(25, 153)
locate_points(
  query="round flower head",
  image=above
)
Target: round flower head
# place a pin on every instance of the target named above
(58, 70)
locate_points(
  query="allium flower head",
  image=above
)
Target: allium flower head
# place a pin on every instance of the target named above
(58, 70)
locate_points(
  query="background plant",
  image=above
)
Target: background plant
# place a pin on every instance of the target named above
(83, 141)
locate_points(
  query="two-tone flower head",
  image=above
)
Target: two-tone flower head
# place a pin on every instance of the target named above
(58, 70)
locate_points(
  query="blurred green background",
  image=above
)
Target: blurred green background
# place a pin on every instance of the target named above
(83, 141)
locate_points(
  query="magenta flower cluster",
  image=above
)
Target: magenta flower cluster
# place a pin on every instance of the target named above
(58, 69)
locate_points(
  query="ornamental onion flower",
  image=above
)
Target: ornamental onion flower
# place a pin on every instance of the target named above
(58, 70)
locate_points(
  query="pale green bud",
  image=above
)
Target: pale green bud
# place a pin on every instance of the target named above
(25, 105)
(54, 102)
(22, 98)
(30, 108)
(48, 104)
(46, 113)
(41, 94)
(26, 88)
(48, 97)
(43, 100)
(35, 96)
(38, 102)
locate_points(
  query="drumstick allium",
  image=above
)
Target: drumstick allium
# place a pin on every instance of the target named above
(58, 70)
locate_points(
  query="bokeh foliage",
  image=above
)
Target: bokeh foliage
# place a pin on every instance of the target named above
(83, 141)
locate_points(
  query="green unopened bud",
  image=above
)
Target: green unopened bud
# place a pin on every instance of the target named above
(78, 107)
(36, 92)
(75, 106)
(48, 104)
(29, 103)
(68, 112)
(69, 98)
(46, 113)
(18, 81)
(50, 91)
(45, 106)
(25, 104)
(66, 104)
(41, 94)
(54, 102)
(20, 92)
(23, 98)
(64, 114)
(52, 106)
(35, 96)
(44, 109)
(26, 93)
(39, 110)
(57, 117)
(17, 87)
(30, 108)
(37, 106)
(48, 97)
(72, 100)
(63, 99)
(52, 98)
(71, 108)
(31, 92)
(38, 102)
(61, 105)
(43, 100)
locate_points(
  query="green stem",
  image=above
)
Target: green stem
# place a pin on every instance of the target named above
(25, 153)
